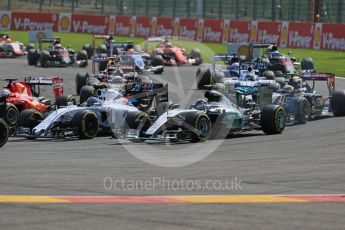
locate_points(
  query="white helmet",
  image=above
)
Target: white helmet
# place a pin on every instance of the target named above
(108, 94)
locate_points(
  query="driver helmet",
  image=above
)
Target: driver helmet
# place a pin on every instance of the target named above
(57, 46)
(131, 51)
(200, 104)
(8, 40)
(91, 101)
(297, 82)
(108, 94)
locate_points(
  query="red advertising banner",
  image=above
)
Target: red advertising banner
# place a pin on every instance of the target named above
(333, 36)
(213, 30)
(300, 35)
(269, 32)
(91, 24)
(123, 25)
(239, 31)
(188, 28)
(143, 26)
(165, 27)
(34, 21)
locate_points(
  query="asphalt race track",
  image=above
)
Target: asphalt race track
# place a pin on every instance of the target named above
(307, 159)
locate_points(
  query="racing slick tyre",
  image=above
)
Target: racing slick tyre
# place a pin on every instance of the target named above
(218, 77)
(4, 132)
(33, 57)
(44, 57)
(273, 119)
(196, 55)
(80, 81)
(86, 124)
(102, 49)
(102, 66)
(62, 101)
(11, 114)
(82, 58)
(304, 111)
(29, 118)
(281, 81)
(338, 103)
(139, 121)
(86, 92)
(157, 60)
(307, 64)
(1, 48)
(159, 51)
(88, 50)
(269, 74)
(199, 125)
(203, 78)
(274, 86)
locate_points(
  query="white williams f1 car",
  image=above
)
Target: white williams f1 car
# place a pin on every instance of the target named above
(84, 122)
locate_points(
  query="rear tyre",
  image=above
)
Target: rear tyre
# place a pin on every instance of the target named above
(62, 101)
(4, 132)
(269, 74)
(44, 57)
(86, 124)
(88, 50)
(273, 119)
(338, 103)
(80, 81)
(32, 57)
(281, 81)
(82, 57)
(11, 114)
(304, 111)
(86, 92)
(102, 49)
(203, 78)
(157, 60)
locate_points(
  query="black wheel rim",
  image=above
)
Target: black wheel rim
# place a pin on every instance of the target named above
(91, 126)
(203, 127)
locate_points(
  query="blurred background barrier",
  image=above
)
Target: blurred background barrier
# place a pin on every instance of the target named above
(326, 11)
(283, 33)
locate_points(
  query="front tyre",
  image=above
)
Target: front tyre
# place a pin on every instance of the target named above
(304, 111)
(200, 126)
(86, 124)
(273, 119)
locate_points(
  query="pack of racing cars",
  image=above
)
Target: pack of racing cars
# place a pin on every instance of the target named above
(243, 92)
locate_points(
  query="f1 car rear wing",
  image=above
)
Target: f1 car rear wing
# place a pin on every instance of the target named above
(320, 76)
(48, 40)
(161, 39)
(56, 83)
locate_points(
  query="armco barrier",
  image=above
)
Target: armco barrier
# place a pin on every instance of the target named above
(286, 34)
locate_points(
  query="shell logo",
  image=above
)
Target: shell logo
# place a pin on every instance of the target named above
(243, 51)
(64, 23)
(253, 33)
(5, 20)
(317, 37)
(284, 36)
(40, 35)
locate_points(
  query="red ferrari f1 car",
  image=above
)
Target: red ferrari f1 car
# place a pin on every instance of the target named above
(26, 95)
(173, 55)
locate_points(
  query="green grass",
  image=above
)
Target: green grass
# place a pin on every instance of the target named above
(324, 60)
